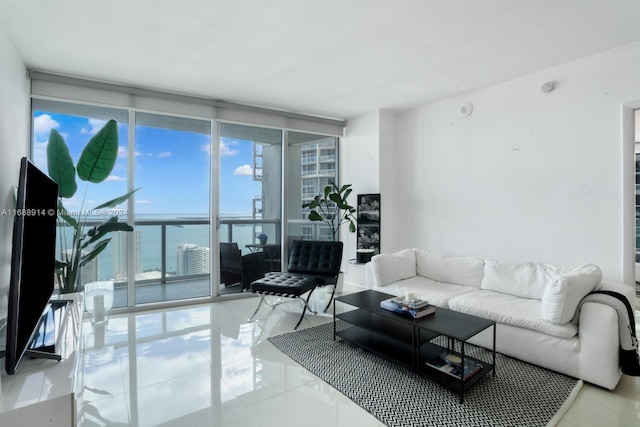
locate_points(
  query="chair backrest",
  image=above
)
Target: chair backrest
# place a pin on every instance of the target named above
(229, 247)
(230, 257)
(318, 257)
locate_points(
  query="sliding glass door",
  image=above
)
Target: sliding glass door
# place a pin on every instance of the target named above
(171, 243)
(250, 200)
(167, 256)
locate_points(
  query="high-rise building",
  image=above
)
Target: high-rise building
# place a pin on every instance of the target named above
(89, 271)
(119, 242)
(318, 169)
(192, 259)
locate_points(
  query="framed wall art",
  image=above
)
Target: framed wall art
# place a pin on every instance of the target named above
(368, 211)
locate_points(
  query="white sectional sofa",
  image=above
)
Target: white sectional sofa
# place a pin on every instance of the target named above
(533, 305)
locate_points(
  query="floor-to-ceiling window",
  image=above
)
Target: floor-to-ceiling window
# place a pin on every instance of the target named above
(206, 172)
(172, 237)
(312, 164)
(167, 158)
(77, 124)
(637, 192)
(250, 200)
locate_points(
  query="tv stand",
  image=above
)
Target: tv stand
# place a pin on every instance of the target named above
(42, 391)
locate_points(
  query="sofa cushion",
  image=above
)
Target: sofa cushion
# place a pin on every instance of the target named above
(563, 294)
(389, 268)
(465, 271)
(437, 293)
(510, 310)
(526, 280)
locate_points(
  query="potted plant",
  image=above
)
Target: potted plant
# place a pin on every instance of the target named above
(263, 239)
(94, 165)
(332, 208)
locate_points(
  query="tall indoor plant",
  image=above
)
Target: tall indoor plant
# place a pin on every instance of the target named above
(332, 208)
(94, 165)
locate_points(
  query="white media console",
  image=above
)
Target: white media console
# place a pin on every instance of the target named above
(48, 392)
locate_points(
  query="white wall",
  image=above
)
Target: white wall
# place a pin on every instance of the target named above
(359, 166)
(529, 176)
(14, 143)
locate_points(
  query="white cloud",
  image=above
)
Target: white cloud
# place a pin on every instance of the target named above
(42, 125)
(225, 150)
(143, 202)
(115, 178)
(40, 153)
(94, 126)
(244, 170)
(164, 154)
(206, 148)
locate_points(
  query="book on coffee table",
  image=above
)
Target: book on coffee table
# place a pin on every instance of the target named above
(416, 313)
(413, 304)
(451, 364)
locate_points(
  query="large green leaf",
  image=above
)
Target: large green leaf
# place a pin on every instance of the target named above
(64, 214)
(60, 264)
(60, 165)
(98, 232)
(315, 216)
(115, 202)
(95, 251)
(99, 156)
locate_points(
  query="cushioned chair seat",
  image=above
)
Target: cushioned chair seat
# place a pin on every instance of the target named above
(284, 284)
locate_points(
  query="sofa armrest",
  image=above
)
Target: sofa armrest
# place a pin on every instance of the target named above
(370, 276)
(628, 291)
(391, 268)
(599, 345)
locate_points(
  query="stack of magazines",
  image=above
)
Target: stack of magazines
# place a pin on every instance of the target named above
(416, 308)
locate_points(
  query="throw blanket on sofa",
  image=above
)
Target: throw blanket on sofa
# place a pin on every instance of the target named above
(629, 359)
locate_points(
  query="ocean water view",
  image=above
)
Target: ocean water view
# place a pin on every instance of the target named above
(176, 234)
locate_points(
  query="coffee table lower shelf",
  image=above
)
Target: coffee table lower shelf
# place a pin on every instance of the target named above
(382, 345)
(398, 342)
(430, 351)
(402, 353)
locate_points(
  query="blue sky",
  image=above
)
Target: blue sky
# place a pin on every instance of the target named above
(172, 167)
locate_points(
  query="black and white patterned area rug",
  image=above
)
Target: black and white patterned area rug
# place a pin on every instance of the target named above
(520, 394)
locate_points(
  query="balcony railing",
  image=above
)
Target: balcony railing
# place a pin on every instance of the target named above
(241, 230)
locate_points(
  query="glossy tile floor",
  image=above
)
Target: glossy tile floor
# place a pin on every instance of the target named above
(204, 365)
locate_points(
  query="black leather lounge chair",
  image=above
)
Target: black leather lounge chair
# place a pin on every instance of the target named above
(312, 263)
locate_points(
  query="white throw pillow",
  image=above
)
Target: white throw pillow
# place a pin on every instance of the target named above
(465, 271)
(563, 294)
(526, 280)
(390, 268)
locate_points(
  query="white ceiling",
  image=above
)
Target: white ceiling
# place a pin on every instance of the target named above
(333, 58)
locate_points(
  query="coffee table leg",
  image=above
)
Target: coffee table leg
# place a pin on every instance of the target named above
(494, 349)
(334, 320)
(462, 373)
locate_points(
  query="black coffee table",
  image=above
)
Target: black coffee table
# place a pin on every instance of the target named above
(409, 342)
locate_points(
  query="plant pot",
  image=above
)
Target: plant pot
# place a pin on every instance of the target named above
(363, 255)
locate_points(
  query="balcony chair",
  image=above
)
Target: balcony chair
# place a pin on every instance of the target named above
(274, 253)
(312, 263)
(236, 268)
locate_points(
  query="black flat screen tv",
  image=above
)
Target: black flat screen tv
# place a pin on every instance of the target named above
(32, 260)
